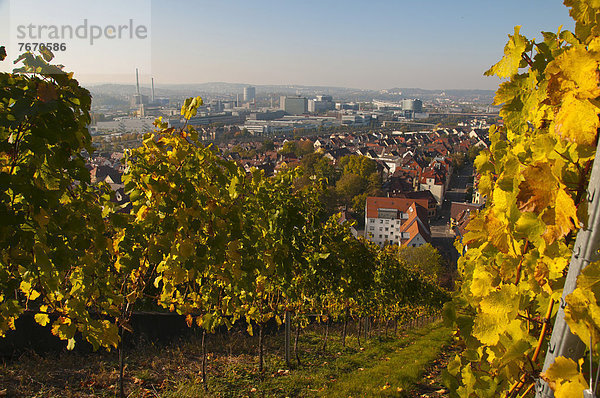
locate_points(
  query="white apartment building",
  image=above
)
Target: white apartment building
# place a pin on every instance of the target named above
(397, 221)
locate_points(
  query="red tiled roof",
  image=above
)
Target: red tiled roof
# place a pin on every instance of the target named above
(374, 203)
(419, 195)
(416, 224)
(457, 208)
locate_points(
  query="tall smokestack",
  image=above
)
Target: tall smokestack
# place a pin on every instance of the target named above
(137, 81)
(153, 99)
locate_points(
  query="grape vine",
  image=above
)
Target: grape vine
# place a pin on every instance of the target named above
(203, 238)
(535, 176)
(53, 234)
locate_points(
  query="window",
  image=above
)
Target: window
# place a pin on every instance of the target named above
(381, 228)
(380, 221)
(386, 229)
(371, 228)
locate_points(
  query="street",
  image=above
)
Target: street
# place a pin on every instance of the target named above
(441, 236)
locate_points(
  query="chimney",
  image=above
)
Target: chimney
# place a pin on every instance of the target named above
(137, 81)
(153, 98)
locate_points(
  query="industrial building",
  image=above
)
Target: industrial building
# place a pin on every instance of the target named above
(356, 120)
(414, 105)
(410, 105)
(294, 105)
(323, 103)
(287, 124)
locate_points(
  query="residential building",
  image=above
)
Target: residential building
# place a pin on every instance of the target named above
(431, 202)
(345, 218)
(460, 215)
(397, 221)
(434, 180)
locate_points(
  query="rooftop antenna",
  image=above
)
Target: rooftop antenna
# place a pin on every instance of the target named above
(153, 98)
(137, 81)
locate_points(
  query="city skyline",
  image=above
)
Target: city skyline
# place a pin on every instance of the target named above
(379, 45)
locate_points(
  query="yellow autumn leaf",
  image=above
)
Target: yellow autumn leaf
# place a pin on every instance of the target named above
(497, 232)
(141, 213)
(33, 294)
(561, 218)
(42, 319)
(25, 287)
(537, 189)
(564, 378)
(495, 312)
(562, 368)
(482, 283)
(509, 64)
(577, 120)
(582, 312)
(485, 185)
(570, 389)
(575, 69)
(585, 13)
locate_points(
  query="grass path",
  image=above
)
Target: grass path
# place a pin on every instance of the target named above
(396, 374)
(383, 367)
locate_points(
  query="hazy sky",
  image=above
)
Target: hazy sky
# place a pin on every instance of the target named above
(364, 44)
